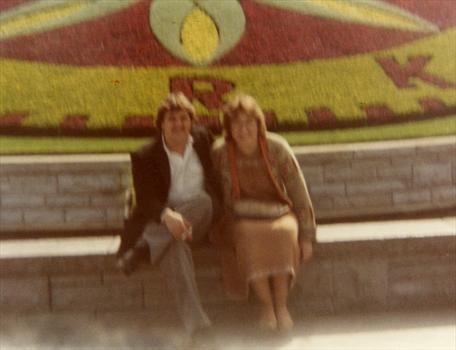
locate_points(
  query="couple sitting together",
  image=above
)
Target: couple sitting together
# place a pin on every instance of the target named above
(246, 192)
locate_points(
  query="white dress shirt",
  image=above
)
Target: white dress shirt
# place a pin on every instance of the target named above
(187, 177)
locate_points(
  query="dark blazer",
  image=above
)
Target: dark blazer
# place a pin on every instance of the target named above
(152, 181)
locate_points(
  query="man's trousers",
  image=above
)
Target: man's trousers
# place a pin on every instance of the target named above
(176, 262)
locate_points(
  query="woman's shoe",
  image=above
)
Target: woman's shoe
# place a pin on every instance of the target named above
(267, 321)
(284, 320)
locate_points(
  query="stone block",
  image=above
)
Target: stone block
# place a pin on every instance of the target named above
(322, 203)
(106, 200)
(24, 168)
(75, 280)
(29, 185)
(432, 173)
(447, 157)
(412, 196)
(310, 305)
(330, 190)
(90, 182)
(447, 149)
(315, 280)
(384, 153)
(116, 226)
(10, 216)
(58, 265)
(363, 201)
(67, 200)
(21, 200)
(43, 216)
(337, 174)
(145, 275)
(445, 194)
(380, 186)
(313, 174)
(403, 172)
(346, 250)
(115, 216)
(422, 279)
(157, 294)
(208, 281)
(211, 290)
(360, 284)
(102, 165)
(402, 161)
(351, 213)
(97, 298)
(374, 163)
(454, 174)
(126, 180)
(24, 294)
(306, 159)
(440, 245)
(14, 267)
(85, 215)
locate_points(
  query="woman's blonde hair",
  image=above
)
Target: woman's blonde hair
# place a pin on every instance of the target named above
(175, 101)
(247, 104)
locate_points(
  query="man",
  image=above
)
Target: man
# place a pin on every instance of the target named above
(176, 196)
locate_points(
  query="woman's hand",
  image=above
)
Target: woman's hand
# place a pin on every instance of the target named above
(179, 227)
(306, 250)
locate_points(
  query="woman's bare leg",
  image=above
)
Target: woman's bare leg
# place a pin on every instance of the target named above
(262, 289)
(280, 285)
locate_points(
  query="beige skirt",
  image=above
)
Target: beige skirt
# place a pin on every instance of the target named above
(265, 248)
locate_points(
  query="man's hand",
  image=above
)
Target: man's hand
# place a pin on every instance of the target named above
(306, 250)
(179, 227)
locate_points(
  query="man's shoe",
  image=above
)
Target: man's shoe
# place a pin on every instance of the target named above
(129, 261)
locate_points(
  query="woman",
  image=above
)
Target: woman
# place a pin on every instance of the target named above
(269, 223)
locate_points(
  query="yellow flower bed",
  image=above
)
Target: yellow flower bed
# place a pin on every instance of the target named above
(108, 94)
(199, 35)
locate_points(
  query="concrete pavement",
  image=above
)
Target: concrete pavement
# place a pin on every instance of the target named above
(408, 330)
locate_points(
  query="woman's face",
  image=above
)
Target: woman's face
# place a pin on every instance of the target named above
(244, 129)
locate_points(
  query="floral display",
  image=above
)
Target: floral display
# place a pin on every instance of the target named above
(102, 67)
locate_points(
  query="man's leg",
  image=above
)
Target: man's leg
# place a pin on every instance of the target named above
(158, 238)
(177, 267)
(177, 262)
(199, 212)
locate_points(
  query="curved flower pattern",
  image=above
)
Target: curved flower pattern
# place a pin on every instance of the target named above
(370, 12)
(43, 15)
(207, 21)
(201, 31)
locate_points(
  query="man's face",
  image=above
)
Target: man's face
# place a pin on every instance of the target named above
(176, 126)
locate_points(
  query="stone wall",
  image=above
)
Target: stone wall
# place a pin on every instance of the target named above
(347, 276)
(381, 178)
(63, 192)
(81, 192)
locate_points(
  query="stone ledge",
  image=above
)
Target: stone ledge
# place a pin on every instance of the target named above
(421, 145)
(357, 266)
(327, 233)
